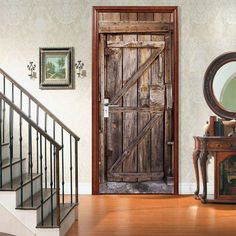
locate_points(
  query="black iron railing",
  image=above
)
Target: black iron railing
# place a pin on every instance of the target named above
(52, 147)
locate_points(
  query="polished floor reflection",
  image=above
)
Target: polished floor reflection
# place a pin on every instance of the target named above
(137, 215)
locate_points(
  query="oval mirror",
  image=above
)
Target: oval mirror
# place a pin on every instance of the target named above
(224, 86)
(220, 85)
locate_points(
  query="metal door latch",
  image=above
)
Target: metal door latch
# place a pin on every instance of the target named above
(106, 107)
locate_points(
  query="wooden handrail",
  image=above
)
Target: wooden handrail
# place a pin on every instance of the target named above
(39, 104)
(32, 123)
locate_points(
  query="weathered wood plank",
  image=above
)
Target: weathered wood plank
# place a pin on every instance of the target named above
(128, 16)
(156, 175)
(144, 147)
(108, 16)
(157, 132)
(166, 17)
(136, 109)
(168, 113)
(129, 99)
(135, 142)
(134, 27)
(168, 59)
(162, 17)
(145, 17)
(102, 66)
(157, 96)
(135, 44)
(100, 16)
(133, 79)
(113, 84)
(169, 96)
(168, 138)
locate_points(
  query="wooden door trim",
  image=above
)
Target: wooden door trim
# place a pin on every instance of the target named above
(95, 86)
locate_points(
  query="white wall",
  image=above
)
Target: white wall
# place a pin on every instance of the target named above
(207, 29)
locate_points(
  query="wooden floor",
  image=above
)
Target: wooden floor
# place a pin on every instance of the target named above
(108, 215)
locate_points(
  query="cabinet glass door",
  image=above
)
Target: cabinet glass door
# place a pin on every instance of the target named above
(227, 173)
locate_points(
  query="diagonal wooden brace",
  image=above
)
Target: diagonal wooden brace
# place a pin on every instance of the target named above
(128, 151)
(133, 79)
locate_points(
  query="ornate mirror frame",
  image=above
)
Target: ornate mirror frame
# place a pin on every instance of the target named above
(209, 76)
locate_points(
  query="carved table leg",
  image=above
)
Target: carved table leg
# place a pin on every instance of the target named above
(195, 163)
(203, 161)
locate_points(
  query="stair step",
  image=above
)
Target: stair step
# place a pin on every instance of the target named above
(16, 182)
(65, 210)
(37, 200)
(6, 162)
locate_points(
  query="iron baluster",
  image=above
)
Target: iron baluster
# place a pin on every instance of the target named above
(37, 139)
(30, 162)
(45, 151)
(41, 177)
(12, 93)
(21, 164)
(11, 143)
(62, 166)
(29, 115)
(76, 173)
(29, 108)
(21, 151)
(54, 154)
(4, 111)
(58, 187)
(1, 143)
(4, 85)
(51, 183)
(71, 187)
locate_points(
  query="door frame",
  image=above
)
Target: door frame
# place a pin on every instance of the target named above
(95, 86)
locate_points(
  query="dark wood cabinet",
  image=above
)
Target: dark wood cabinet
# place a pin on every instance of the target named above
(220, 134)
(223, 150)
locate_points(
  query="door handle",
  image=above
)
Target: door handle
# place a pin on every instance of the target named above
(106, 107)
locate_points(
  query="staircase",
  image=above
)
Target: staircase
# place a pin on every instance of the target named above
(38, 166)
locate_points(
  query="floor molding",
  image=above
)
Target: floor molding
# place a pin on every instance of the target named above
(189, 188)
(84, 188)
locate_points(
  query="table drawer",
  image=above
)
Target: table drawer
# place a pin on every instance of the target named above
(221, 145)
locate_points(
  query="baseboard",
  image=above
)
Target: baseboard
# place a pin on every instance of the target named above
(189, 188)
(84, 188)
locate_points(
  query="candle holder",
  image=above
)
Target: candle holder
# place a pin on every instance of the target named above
(31, 67)
(79, 67)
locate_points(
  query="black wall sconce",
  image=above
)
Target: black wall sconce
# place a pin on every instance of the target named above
(81, 73)
(31, 67)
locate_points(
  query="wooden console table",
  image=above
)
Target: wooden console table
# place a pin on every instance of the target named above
(220, 148)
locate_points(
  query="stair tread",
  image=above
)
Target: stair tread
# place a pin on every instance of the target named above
(64, 210)
(16, 182)
(6, 162)
(37, 199)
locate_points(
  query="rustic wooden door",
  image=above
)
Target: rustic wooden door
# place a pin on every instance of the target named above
(136, 105)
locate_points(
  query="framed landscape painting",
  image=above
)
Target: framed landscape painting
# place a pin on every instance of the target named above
(56, 68)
